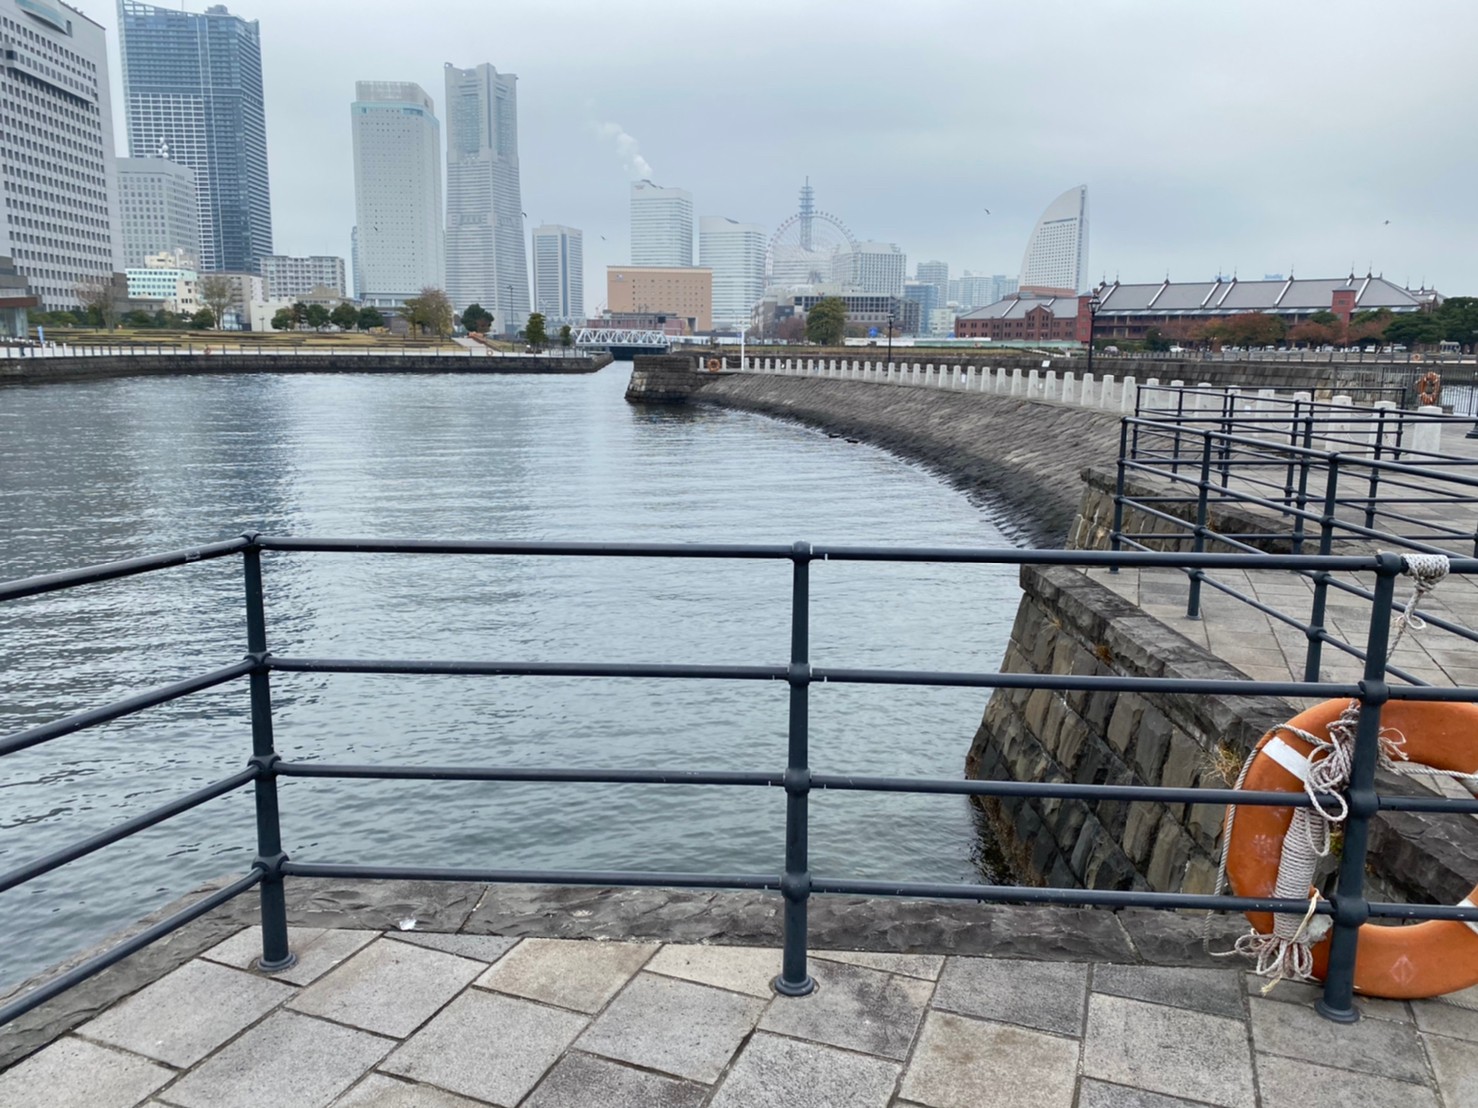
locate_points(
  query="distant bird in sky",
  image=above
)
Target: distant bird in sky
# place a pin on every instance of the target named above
(987, 211)
(602, 238)
(1387, 223)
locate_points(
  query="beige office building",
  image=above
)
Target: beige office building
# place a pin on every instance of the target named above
(686, 293)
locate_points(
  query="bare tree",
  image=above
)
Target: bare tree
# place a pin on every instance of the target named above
(431, 310)
(99, 295)
(217, 293)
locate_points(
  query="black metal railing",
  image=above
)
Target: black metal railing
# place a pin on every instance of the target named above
(1304, 471)
(1348, 905)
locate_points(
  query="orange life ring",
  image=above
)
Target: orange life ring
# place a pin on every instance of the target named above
(713, 365)
(1426, 959)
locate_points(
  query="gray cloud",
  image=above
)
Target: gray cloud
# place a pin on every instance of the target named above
(1252, 136)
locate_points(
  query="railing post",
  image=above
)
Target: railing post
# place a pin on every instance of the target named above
(1313, 656)
(795, 885)
(275, 952)
(1119, 490)
(1198, 545)
(1351, 909)
(1228, 418)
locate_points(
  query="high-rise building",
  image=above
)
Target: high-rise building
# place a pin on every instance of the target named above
(400, 246)
(158, 210)
(286, 276)
(976, 290)
(925, 295)
(879, 268)
(16, 301)
(661, 225)
(486, 262)
(936, 274)
(736, 254)
(559, 273)
(56, 151)
(1056, 259)
(192, 86)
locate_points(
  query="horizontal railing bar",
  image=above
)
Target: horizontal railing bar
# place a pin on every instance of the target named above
(839, 552)
(632, 878)
(57, 728)
(1395, 910)
(1085, 682)
(1063, 790)
(520, 773)
(58, 985)
(125, 829)
(527, 669)
(1435, 805)
(1090, 898)
(562, 549)
(107, 571)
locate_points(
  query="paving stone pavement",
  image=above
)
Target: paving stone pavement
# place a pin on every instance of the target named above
(431, 1020)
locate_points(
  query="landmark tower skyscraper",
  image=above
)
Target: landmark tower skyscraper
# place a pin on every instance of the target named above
(486, 260)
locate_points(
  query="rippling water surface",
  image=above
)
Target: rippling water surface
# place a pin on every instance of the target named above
(97, 471)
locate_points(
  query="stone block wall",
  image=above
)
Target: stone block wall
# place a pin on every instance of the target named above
(1069, 624)
(662, 378)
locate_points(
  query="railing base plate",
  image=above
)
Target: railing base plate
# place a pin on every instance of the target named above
(785, 988)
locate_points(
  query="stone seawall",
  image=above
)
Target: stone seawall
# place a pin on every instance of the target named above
(1068, 623)
(25, 371)
(1021, 454)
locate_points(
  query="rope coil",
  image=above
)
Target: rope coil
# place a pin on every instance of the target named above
(1287, 951)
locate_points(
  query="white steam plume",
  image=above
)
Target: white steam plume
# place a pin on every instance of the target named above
(628, 150)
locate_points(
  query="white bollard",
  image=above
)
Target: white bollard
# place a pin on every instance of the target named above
(1088, 396)
(1425, 435)
(929, 378)
(1049, 386)
(1069, 388)
(1017, 382)
(1127, 394)
(1033, 383)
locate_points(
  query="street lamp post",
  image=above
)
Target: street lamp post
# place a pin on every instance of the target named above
(1093, 305)
(742, 329)
(890, 344)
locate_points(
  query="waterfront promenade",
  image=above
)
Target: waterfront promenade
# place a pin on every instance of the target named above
(486, 999)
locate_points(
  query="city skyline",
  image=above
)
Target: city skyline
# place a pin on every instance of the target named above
(1190, 154)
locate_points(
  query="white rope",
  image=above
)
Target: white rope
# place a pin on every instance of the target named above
(1287, 953)
(1428, 570)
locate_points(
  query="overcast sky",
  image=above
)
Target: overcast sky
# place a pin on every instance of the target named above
(1255, 136)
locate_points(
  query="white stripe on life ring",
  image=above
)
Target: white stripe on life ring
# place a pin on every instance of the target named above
(1290, 759)
(1467, 902)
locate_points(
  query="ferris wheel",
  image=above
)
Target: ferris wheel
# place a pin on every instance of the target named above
(804, 249)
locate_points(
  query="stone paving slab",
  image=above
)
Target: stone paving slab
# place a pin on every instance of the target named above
(73, 1071)
(740, 969)
(1045, 995)
(409, 1022)
(967, 1063)
(566, 972)
(487, 1046)
(287, 1061)
(674, 1026)
(388, 988)
(1289, 1081)
(856, 1008)
(318, 950)
(775, 1072)
(168, 1023)
(1169, 1050)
